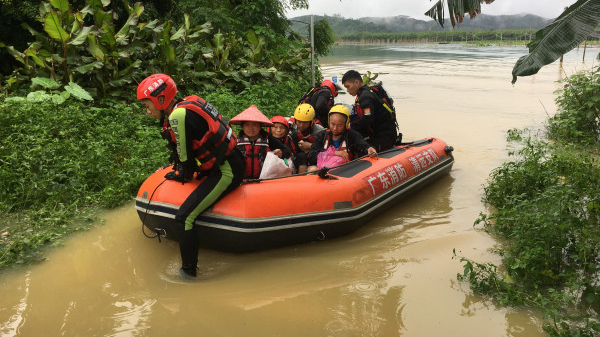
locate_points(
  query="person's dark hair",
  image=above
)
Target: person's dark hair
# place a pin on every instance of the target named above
(351, 75)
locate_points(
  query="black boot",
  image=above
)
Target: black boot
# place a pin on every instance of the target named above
(188, 271)
(188, 247)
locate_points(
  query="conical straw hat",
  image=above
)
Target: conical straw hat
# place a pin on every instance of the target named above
(252, 114)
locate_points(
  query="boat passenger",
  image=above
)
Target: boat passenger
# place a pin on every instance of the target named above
(203, 143)
(281, 131)
(254, 142)
(303, 133)
(321, 98)
(348, 143)
(373, 121)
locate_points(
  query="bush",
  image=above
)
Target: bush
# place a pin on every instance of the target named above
(106, 56)
(577, 120)
(60, 163)
(547, 213)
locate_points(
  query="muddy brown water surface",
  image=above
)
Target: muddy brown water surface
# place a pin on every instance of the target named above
(393, 277)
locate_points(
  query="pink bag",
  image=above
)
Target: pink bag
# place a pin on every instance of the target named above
(328, 159)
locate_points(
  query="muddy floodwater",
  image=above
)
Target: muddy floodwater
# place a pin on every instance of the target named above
(393, 277)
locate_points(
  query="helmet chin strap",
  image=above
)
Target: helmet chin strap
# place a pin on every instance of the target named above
(163, 114)
(162, 118)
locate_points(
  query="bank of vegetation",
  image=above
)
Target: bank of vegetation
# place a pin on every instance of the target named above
(75, 141)
(487, 37)
(545, 206)
(513, 36)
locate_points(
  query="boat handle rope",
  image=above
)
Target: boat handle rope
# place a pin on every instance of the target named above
(323, 172)
(157, 230)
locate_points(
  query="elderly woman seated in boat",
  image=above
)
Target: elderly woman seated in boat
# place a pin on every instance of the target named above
(339, 143)
(254, 142)
(281, 131)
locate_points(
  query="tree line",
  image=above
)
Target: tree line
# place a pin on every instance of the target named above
(512, 35)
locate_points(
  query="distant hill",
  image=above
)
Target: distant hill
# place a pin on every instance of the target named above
(405, 24)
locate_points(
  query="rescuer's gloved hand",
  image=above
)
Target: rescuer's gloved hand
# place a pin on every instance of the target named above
(177, 174)
(189, 167)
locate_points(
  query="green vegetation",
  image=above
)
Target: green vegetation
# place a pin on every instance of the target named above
(516, 36)
(106, 56)
(546, 211)
(61, 163)
(76, 141)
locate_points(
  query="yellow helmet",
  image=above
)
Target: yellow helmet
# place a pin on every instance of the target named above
(304, 113)
(341, 109)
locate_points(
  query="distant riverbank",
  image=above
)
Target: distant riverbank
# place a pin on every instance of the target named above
(478, 43)
(513, 37)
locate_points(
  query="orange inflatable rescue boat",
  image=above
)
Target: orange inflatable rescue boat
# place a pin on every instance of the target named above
(264, 214)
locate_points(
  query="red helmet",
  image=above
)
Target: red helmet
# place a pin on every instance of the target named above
(279, 119)
(332, 86)
(155, 86)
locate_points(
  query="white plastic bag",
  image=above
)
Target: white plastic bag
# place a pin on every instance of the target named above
(274, 167)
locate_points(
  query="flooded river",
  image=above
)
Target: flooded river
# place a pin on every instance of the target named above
(393, 277)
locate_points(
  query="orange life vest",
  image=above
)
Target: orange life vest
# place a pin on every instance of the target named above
(217, 142)
(254, 155)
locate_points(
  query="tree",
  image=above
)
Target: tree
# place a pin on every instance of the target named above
(324, 37)
(567, 31)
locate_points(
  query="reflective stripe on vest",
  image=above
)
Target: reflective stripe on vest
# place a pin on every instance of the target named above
(343, 144)
(217, 142)
(254, 155)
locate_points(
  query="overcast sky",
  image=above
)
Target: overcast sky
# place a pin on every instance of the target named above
(415, 8)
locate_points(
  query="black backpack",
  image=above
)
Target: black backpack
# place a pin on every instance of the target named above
(309, 94)
(386, 101)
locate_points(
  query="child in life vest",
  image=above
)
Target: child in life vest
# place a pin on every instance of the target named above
(254, 142)
(303, 133)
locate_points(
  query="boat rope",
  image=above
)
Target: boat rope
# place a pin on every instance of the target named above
(158, 232)
(323, 171)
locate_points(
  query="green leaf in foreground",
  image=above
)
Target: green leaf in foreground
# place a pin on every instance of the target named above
(566, 32)
(52, 26)
(45, 82)
(77, 91)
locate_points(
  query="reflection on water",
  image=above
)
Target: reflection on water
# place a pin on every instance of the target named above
(11, 326)
(393, 277)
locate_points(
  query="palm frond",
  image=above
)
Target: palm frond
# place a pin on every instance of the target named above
(456, 10)
(574, 25)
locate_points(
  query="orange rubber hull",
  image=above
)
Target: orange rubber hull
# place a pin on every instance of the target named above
(299, 208)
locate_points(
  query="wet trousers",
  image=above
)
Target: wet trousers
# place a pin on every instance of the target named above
(218, 183)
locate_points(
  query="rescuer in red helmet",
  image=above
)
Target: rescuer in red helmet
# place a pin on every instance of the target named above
(201, 142)
(321, 98)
